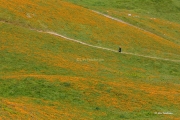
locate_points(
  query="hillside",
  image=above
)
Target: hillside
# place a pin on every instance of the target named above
(79, 23)
(167, 9)
(45, 76)
(160, 17)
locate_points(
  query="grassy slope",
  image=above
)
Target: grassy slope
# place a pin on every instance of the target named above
(79, 23)
(167, 9)
(41, 77)
(44, 72)
(166, 13)
(164, 28)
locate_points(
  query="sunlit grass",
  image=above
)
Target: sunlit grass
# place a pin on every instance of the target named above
(43, 76)
(44, 67)
(79, 23)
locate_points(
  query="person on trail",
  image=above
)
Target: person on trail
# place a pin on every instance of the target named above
(120, 49)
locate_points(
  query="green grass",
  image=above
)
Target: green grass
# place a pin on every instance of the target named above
(50, 45)
(139, 85)
(30, 87)
(167, 9)
(81, 24)
(146, 10)
(116, 67)
(41, 89)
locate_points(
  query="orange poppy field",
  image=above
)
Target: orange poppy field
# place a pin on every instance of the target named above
(46, 76)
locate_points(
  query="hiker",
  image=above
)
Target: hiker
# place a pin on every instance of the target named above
(120, 49)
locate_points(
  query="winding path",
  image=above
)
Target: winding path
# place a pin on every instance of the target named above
(116, 51)
(98, 47)
(119, 20)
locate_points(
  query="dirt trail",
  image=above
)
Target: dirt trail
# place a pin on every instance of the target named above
(119, 20)
(98, 47)
(116, 51)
